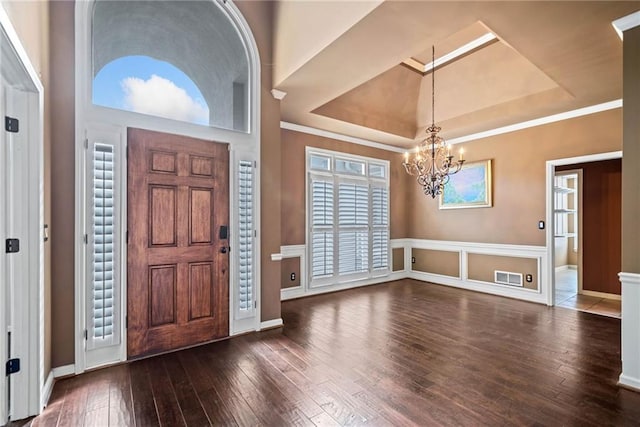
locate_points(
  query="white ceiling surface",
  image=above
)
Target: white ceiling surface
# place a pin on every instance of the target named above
(550, 57)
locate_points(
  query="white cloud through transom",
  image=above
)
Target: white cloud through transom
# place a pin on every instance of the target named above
(161, 97)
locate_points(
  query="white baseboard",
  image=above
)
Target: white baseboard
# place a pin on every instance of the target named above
(47, 388)
(64, 371)
(271, 324)
(566, 267)
(299, 292)
(600, 294)
(484, 287)
(628, 382)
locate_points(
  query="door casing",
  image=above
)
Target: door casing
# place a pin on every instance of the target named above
(23, 217)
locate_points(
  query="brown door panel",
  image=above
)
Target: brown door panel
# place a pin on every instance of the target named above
(178, 279)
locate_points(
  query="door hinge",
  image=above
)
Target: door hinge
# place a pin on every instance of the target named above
(255, 164)
(12, 366)
(86, 334)
(86, 239)
(13, 246)
(126, 321)
(255, 304)
(255, 233)
(126, 236)
(86, 144)
(11, 124)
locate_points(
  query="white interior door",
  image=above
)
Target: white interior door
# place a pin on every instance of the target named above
(16, 265)
(4, 305)
(21, 218)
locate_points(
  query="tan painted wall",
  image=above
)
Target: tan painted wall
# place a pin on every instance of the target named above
(61, 94)
(630, 170)
(482, 267)
(293, 182)
(31, 22)
(446, 263)
(398, 259)
(288, 266)
(518, 181)
(259, 16)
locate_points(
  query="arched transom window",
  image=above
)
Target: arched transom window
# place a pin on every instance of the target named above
(182, 60)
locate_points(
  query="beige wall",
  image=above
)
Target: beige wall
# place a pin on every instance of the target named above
(288, 266)
(61, 94)
(259, 16)
(31, 22)
(293, 182)
(518, 181)
(446, 263)
(482, 267)
(398, 259)
(630, 170)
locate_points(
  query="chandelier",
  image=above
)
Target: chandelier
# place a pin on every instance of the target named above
(432, 162)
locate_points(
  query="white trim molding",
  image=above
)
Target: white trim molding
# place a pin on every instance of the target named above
(271, 324)
(550, 217)
(64, 371)
(47, 388)
(539, 253)
(626, 23)
(278, 94)
(339, 137)
(630, 376)
(294, 251)
(592, 109)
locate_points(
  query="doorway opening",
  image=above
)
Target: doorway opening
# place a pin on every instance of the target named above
(587, 236)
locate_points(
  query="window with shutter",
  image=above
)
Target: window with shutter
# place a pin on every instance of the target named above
(348, 217)
(245, 298)
(379, 227)
(103, 291)
(321, 227)
(353, 227)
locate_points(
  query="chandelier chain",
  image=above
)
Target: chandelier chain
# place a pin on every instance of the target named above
(432, 163)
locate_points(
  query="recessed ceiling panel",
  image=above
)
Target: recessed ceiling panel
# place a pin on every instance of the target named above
(387, 103)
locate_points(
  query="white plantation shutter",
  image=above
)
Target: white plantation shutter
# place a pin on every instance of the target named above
(379, 227)
(321, 227)
(353, 227)
(348, 217)
(103, 291)
(245, 238)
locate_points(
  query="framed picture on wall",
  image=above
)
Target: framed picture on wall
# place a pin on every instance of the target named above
(469, 188)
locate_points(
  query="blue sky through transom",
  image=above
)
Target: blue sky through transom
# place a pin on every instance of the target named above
(149, 86)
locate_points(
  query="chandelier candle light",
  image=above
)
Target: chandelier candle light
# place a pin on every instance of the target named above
(432, 162)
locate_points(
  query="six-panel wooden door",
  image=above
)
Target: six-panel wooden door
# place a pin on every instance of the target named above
(177, 260)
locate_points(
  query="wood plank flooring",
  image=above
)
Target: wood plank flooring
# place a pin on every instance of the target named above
(402, 353)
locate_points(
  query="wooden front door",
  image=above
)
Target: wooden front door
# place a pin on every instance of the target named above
(178, 259)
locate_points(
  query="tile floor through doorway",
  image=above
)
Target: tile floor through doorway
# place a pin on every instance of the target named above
(567, 296)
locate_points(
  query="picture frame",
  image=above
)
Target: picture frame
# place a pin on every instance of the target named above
(469, 188)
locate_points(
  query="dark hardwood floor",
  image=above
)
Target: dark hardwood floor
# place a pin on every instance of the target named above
(402, 353)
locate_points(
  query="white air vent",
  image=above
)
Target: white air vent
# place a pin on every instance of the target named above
(507, 278)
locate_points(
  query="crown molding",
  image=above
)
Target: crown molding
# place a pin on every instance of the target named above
(339, 137)
(451, 56)
(611, 105)
(598, 108)
(278, 94)
(626, 23)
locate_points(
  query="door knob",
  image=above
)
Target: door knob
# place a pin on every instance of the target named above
(223, 250)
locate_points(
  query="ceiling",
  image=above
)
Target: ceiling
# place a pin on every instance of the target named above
(341, 64)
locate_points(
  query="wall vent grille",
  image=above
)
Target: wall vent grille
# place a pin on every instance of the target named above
(508, 278)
